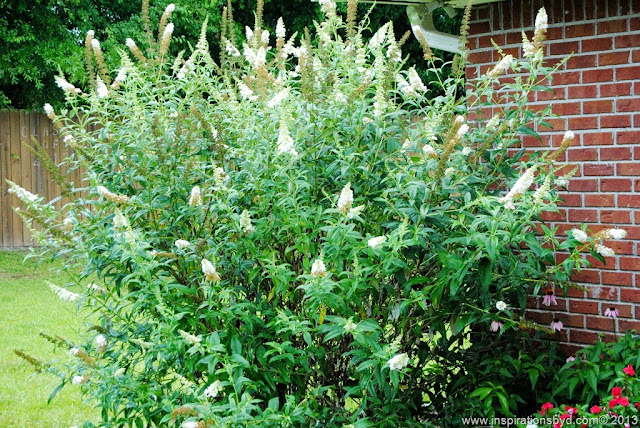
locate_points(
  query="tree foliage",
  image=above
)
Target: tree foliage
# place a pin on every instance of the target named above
(41, 37)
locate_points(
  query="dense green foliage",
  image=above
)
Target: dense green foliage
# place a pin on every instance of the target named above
(41, 37)
(303, 236)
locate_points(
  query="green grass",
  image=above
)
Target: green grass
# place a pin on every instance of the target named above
(28, 307)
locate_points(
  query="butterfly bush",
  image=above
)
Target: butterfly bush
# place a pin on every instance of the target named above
(300, 233)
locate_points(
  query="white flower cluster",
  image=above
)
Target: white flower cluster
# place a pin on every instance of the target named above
(245, 223)
(519, 189)
(318, 269)
(579, 235)
(22, 194)
(209, 271)
(213, 390)
(189, 338)
(182, 244)
(63, 293)
(345, 201)
(375, 242)
(110, 196)
(66, 86)
(195, 199)
(399, 362)
(501, 67)
(101, 88)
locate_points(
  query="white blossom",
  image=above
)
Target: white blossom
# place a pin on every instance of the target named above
(119, 372)
(213, 390)
(614, 234)
(350, 326)
(501, 67)
(541, 20)
(378, 240)
(168, 31)
(492, 124)
(285, 142)
(280, 30)
(190, 424)
(181, 244)
(189, 338)
(521, 186)
(122, 75)
(65, 86)
(246, 92)
(355, 211)
(399, 362)
(579, 235)
(95, 44)
(63, 293)
(78, 380)
(195, 199)
(604, 251)
(68, 224)
(415, 81)
(120, 222)
(130, 43)
(101, 88)
(23, 194)
(264, 38)
(346, 199)
(74, 351)
(278, 98)
(501, 306)
(327, 6)
(249, 33)
(542, 192)
(562, 181)
(528, 49)
(466, 151)
(245, 222)
(170, 8)
(101, 340)
(318, 268)
(231, 49)
(49, 111)
(209, 271)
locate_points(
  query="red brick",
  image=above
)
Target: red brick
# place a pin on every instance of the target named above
(616, 26)
(635, 56)
(583, 215)
(583, 122)
(599, 44)
(583, 307)
(628, 104)
(615, 153)
(629, 201)
(569, 77)
(619, 217)
(633, 232)
(601, 323)
(485, 41)
(617, 278)
(583, 185)
(598, 169)
(580, 154)
(630, 263)
(628, 137)
(599, 200)
(615, 185)
(574, 292)
(613, 58)
(625, 325)
(615, 89)
(553, 216)
(599, 106)
(609, 262)
(615, 121)
(597, 138)
(480, 57)
(622, 247)
(570, 200)
(626, 73)
(540, 317)
(554, 94)
(582, 61)
(557, 124)
(624, 309)
(566, 108)
(573, 320)
(627, 41)
(600, 75)
(630, 169)
(583, 91)
(634, 23)
(580, 30)
(554, 33)
(587, 275)
(562, 48)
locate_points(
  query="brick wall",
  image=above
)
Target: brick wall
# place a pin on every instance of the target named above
(596, 95)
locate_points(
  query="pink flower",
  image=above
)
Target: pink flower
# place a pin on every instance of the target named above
(616, 391)
(549, 298)
(558, 425)
(565, 416)
(623, 401)
(496, 326)
(556, 325)
(572, 358)
(546, 406)
(571, 410)
(629, 370)
(596, 409)
(612, 312)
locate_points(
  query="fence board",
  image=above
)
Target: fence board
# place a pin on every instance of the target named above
(17, 128)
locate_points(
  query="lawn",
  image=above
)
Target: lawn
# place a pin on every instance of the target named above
(28, 307)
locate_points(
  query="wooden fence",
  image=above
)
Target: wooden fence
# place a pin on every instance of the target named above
(17, 128)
